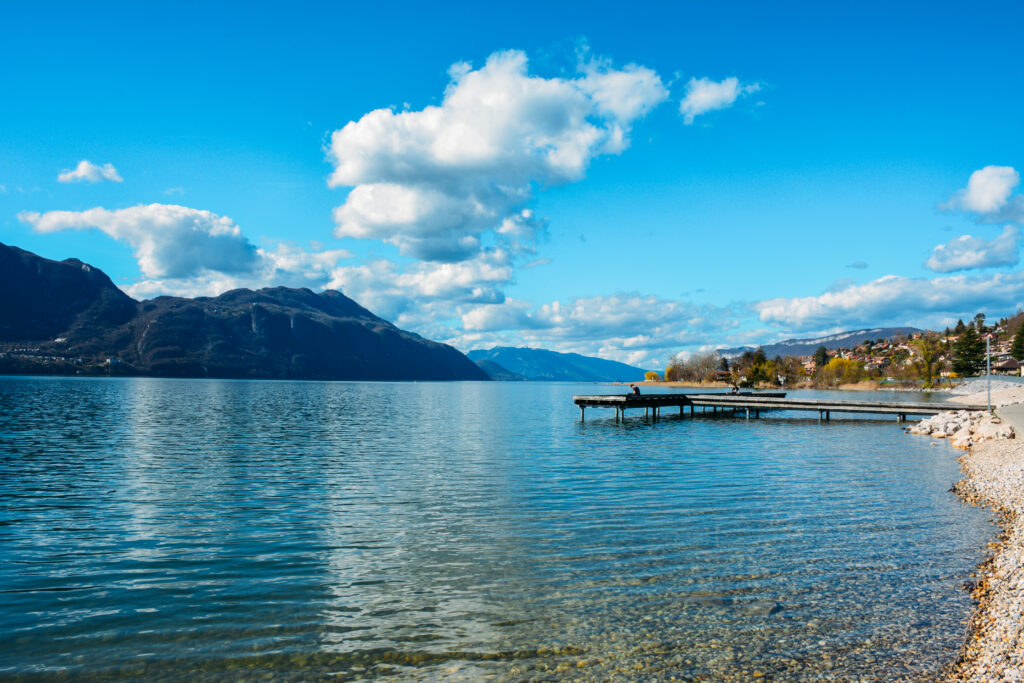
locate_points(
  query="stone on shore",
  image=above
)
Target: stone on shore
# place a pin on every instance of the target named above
(964, 428)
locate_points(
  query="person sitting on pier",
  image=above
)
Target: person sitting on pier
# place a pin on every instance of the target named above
(634, 390)
(735, 389)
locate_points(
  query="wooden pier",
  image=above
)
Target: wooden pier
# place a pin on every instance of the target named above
(753, 404)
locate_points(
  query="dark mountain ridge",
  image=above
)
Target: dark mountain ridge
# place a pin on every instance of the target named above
(67, 315)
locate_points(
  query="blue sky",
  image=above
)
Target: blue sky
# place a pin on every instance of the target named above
(624, 182)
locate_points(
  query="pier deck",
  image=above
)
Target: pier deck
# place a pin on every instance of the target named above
(755, 403)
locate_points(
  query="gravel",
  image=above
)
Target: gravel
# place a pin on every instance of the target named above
(994, 650)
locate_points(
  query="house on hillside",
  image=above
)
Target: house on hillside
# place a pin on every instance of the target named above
(1010, 366)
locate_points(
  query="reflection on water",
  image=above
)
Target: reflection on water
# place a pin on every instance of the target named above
(190, 529)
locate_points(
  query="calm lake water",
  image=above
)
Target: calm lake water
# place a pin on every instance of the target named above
(184, 530)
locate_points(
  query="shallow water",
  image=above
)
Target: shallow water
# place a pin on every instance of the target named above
(182, 530)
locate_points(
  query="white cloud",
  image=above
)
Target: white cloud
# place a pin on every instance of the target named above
(704, 95)
(989, 193)
(897, 300)
(433, 181)
(88, 172)
(190, 252)
(169, 241)
(988, 189)
(397, 293)
(628, 327)
(966, 252)
(285, 265)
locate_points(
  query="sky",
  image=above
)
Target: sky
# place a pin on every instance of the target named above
(624, 181)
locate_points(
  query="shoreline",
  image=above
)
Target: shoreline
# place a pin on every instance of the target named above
(994, 647)
(993, 469)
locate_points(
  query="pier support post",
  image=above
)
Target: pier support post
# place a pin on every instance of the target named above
(691, 410)
(583, 411)
(748, 413)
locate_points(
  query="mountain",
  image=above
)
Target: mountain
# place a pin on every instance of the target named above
(497, 372)
(69, 317)
(40, 298)
(551, 366)
(807, 347)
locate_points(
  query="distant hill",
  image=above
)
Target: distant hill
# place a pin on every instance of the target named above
(551, 366)
(58, 317)
(497, 372)
(807, 347)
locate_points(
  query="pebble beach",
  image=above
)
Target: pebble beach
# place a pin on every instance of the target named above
(994, 478)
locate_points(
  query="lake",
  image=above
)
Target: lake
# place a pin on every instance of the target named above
(205, 529)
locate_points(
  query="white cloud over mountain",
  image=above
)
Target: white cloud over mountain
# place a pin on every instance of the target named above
(896, 299)
(88, 172)
(396, 292)
(433, 181)
(704, 95)
(631, 327)
(967, 252)
(169, 241)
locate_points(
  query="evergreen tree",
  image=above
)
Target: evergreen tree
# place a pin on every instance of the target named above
(821, 357)
(759, 357)
(960, 327)
(1017, 349)
(723, 364)
(969, 353)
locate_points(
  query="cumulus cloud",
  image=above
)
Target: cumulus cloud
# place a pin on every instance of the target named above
(284, 264)
(169, 241)
(989, 193)
(892, 299)
(400, 293)
(433, 181)
(630, 327)
(191, 252)
(88, 172)
(704, 95)
(966, 252)
(988, 189)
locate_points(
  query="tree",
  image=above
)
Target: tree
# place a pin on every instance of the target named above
(723, 364)
(928, 350)
(759, 358)
(841, 371)
(960, 327)
(979, 322)
(968, 353)
(821, 357)
(651, 376)
(1017, 348)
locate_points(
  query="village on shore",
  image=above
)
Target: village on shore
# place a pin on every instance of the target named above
(921, 360)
